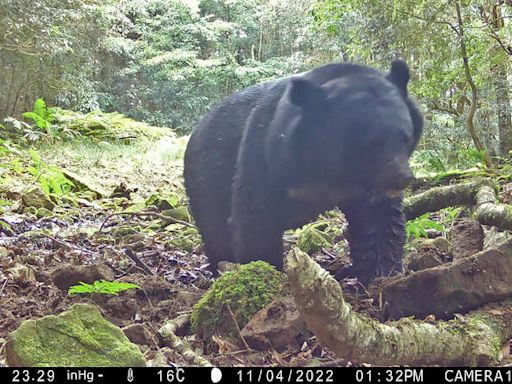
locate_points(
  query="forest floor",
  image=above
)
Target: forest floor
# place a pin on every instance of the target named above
(41, 248)
(91, 209)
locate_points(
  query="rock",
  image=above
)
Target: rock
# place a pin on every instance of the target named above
(428, 258)
(67, 275)
(36, 198)
(21, 274)
(178, 213)
(236, 296)
(139, 334)
(429, 253)
(43, 212)
(494, 238)
(457, 287)
(123, 308)
(160, 359)
(467, 238)
(441, 243)
(162, 203)
(82, 183)
(275, 326)
(122, 190)
(78, 337)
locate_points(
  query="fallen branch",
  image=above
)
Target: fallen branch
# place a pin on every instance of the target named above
(479, 194)
(143, 214)
(473, 340)
(438, 198)
(489, 212)
(168, 334)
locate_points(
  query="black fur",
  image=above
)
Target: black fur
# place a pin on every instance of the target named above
(275, 155)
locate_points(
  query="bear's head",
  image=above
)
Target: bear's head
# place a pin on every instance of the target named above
(352, 131)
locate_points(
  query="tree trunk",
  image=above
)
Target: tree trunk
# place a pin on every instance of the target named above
(499, 75)
(474, 95)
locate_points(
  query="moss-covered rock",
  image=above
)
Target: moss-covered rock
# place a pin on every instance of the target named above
(163, 203)
(103, 126)
(78, 337)
(179, 213)
(186, 238)
(43, 212)
(35, 197)
(245, 290)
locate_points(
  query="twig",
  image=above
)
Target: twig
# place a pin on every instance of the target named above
(3, 286)
(142, 214)
(138, 261)
(238, 328)
(70, 245)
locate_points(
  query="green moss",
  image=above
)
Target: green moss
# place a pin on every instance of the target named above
(312, 239)
(186, 238)
(179, 213)
(123, 230)
(103, 126)
(79, 337)
(246, 290)
(43, 212)
(30, 210)
(163, 203)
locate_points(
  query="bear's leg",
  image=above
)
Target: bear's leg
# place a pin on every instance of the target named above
(217, 237)
(376, 234)
(257, 235)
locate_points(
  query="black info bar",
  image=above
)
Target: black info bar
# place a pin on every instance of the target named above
(255, 375)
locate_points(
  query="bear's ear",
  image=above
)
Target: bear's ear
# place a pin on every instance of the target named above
(399, 75)
(303, 93)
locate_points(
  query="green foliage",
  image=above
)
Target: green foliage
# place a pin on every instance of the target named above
(184, 238)
(183, 58)
(101, 126)
(313, 237)
(42, 116)
(50, 48)
(245, 290)
(102, 287)
(432, 162)
(426, 34)
(49, 177)
(43, 127)
(417, 228)
(20, 132)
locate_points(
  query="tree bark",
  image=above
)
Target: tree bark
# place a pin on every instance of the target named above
(474, 94)
(500, 82)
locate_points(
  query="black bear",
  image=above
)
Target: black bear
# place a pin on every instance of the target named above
(275, 155)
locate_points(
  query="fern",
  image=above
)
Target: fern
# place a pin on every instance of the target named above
(417, 228)
(102, 287)
(50, 178)
(42, 116)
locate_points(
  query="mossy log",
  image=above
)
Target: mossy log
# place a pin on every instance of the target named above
(489, 211)
(479, 194)
(438, 198)
(448, 177)
(473, 340)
